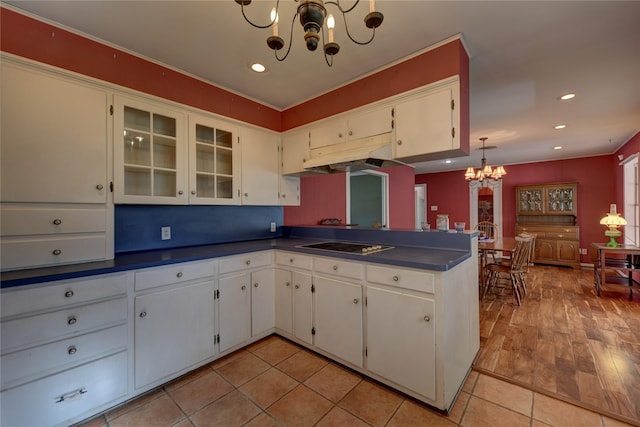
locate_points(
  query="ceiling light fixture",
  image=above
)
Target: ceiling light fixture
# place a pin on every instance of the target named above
(567, 96)
(558, 147)
(561, 126)
(485, 171)
(312, 18)
(258, 67)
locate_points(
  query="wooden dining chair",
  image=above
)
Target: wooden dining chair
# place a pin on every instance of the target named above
(488, 230)
(512, 272)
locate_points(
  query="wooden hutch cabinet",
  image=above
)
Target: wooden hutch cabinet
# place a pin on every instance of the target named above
(549, 211)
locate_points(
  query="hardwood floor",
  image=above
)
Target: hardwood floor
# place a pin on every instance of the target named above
(567, 342)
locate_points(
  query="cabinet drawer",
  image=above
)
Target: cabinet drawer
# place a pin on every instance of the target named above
(242, 262)
(50, 326)
(58, 398)
(174, 273)
(351, 270)
(53, 295)
(28, 364)
(292, 259)
(422, 281)
(561, 235)
(33, 252)
(18, 220)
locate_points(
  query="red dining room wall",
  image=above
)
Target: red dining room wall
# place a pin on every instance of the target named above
(595, 176)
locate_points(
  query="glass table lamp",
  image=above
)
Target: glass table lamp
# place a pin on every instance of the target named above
(613, 220)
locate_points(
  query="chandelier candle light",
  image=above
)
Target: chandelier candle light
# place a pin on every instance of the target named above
(613, 220)
(485, 171)
(312, 18)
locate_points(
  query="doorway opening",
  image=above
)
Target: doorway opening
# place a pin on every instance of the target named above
(486, 205)
(368, 199)
(420, 198)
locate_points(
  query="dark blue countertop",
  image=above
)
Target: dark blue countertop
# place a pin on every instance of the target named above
(436, 257)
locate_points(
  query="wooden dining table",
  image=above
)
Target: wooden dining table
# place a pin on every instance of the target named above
(503, 244)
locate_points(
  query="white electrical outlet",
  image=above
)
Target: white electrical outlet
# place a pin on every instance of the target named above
(434, 208)
(165, 233)
(273, 227)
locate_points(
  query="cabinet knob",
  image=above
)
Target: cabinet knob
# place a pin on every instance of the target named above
(57, 221)
(288, 284)
(143, 314)
(56, 252)
(248, 262)
(68, 294)
(356, 300)
(99, 187)
(396, 278)
(350, 133)
(72, 350)
(180, 192)
(335, 268)
(246, 194)
(179, 275)
(193, 192)
(340, 135)
(291, 260)
(243, 287)
(297, 286)
(399, 142)
(427, 318)
(72, 320)
(255, 285)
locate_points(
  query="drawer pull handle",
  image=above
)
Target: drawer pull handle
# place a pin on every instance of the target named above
(396, 278)
(72, 320)
(70, 396)
(179, 275)
(248, 262)
(560, 236)
(297, 286)
(57, 221)
(72, 350)
(243, 287)
(56, 252)
(356, 300)
(68, 294)
(427, 318)
(143, 314)
(335, 268)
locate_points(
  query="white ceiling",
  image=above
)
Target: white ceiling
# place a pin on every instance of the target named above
(524, 54)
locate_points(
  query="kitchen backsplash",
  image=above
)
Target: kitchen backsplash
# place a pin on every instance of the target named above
(138, 227)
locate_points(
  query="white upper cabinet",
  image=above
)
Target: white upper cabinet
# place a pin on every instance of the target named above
(295, 151)
(149, 153)
(428, 123)
(214, 162)
(54, 138)
(327, 132)
(260, 167)
(369, 122)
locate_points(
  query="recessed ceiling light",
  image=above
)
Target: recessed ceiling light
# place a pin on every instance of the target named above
(560, 126)
(258, 67)
(558, 147)
(567, 96)
(447, 161)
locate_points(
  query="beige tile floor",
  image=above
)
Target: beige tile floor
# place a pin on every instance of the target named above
(277, 383)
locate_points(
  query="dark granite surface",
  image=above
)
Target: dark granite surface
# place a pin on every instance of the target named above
(411, 255)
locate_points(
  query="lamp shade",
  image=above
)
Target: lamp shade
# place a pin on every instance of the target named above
(613, 220)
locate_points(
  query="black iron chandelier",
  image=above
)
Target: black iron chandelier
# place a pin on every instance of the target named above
(312, 17)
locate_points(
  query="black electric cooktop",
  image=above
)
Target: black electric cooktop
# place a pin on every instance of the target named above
(347, 247)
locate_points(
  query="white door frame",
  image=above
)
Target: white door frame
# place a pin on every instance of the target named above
(496, 186)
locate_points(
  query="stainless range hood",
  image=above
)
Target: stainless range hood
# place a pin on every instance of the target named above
(360, 154)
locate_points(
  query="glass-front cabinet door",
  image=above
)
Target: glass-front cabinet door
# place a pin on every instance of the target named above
(149, 153)
(213, 162)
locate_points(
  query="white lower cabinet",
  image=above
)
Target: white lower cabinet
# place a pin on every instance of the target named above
(303, 306)
(338, 319)
(401, 343)
(284, 301)
(174, 329)
(234, 311)
(263, 302)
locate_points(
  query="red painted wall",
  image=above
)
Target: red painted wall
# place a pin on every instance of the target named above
(596, 178)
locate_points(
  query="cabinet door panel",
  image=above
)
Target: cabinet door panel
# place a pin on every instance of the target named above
(369, 123)
(260, 167)
(234, 310)
(302, 306)
(295, 151)
(54, 139)
(284, 300)
(568, 251)
(338, 319)
(174, 329)
(545, 250)
(263, 301)
(404, 356)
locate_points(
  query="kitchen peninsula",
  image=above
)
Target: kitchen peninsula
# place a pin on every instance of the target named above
(89, 336)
